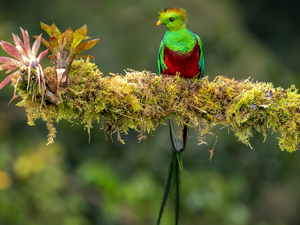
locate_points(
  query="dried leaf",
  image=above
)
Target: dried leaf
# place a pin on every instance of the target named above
(59, 74)
(15, 98)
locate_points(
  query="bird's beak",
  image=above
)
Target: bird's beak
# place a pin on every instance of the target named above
(158, 23)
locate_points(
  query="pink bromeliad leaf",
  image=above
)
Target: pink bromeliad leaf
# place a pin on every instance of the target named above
(11, 50)
(19, 44)
(42, 55)
(36, 45)
(9, 67)
(10, 61)
(26, 43)
(9, 64)
(6, 81)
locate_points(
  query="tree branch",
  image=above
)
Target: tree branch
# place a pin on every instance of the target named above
(143, 100)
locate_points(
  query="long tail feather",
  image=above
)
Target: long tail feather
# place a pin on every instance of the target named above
(177, 169)
(168, 184)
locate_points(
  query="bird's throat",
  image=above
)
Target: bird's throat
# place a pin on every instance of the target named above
(181, 41)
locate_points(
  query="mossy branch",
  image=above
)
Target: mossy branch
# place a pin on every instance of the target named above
(143, 100)
(140, 100)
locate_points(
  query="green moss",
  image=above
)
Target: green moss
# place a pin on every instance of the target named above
(143, 100)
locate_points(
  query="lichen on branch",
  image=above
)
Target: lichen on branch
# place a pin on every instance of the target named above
(143, 100)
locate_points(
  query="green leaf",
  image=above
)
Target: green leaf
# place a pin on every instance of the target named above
(46, 28)
(53, 45)
(67, 40)
(79, 35)
(84, 46)
(56, 33)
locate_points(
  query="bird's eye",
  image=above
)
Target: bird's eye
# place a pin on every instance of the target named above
(171, 19)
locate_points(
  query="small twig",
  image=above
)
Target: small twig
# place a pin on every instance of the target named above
(213, 148)
(224, 126)
(198, 108)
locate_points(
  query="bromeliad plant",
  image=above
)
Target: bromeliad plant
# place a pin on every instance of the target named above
(25, 59)
(65, 47)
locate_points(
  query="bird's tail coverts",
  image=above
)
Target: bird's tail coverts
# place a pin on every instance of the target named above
(178, 143)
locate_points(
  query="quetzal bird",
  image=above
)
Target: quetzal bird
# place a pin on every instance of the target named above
(180, 52)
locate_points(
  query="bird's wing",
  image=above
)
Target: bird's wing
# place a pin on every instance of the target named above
(201, 54)
(161, 58)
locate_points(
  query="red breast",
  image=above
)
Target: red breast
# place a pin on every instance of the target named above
(185, 64)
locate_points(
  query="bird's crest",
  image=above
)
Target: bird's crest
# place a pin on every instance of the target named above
(179, 11)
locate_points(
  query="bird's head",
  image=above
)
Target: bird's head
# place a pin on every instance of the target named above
(174, 18)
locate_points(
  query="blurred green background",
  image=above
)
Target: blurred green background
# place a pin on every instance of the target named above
(72, 182)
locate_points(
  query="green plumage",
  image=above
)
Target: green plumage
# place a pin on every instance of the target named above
(182, 41)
